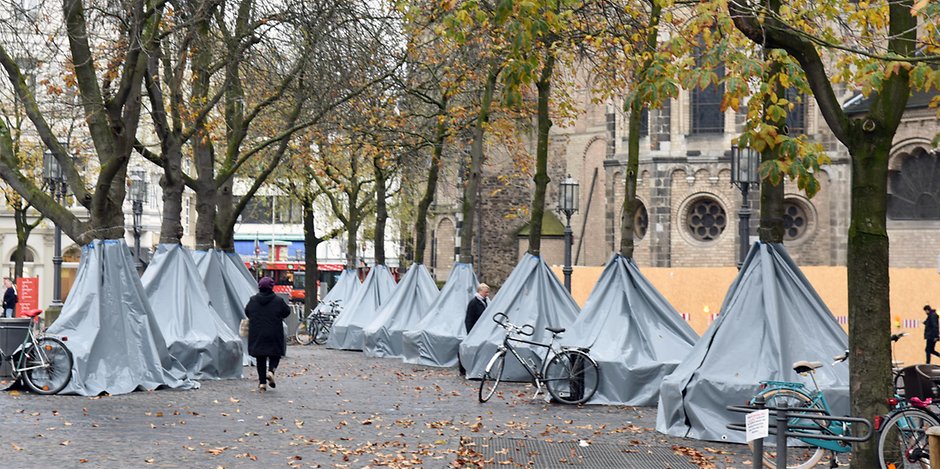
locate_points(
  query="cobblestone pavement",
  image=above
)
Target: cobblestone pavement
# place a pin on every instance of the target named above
(330, 409)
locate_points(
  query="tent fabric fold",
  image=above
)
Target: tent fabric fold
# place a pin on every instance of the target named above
(113, 333)
(770, 318)
(361, 309)
(635, 335)
(193, 330)
(229, 290)
(405, 308)
(531, 295)
(435, 339)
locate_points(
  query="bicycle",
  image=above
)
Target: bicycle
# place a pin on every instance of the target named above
(316, 327)
(44, 363)
(570, 375)
(905, 424)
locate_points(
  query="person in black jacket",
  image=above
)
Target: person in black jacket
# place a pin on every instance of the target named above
(9, 298)
(931, 331)
(477, 304)
(266, 341)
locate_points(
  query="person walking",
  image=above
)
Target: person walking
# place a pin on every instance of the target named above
(9, 298)
(266, 342)
(931, 331)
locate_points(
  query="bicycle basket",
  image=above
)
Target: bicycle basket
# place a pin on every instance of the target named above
(921, 381)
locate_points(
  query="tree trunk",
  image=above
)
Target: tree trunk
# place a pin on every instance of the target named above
(475, 174)
(203, 152)
(225, 214)
(771, 195)
(171, 228)
(381, 212)
(627, 244)
(421, 218)
(311, 242)
(868, 285)
(544, 86)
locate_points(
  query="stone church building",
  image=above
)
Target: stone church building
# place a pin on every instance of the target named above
(689, 209)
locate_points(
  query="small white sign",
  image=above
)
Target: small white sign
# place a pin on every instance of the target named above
(757, 424)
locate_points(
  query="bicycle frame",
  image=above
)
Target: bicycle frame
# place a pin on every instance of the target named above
(817, 399)
(30, 340)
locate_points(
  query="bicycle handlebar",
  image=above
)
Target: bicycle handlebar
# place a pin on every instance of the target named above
(503, 321)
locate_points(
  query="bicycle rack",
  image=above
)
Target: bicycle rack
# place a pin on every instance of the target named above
(781, 418)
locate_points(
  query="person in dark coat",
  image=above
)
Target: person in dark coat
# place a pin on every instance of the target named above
(266, 312)
(931, 331)
(477, 304)
(9, 298)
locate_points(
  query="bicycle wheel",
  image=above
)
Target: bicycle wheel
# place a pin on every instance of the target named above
(800, 455)
(305, 331)
(571, 377)
(492, 375)
(321, 332)
(902, 440)
(48, 366)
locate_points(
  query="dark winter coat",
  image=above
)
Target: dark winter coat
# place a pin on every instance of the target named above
(266, 312)
(474, 311)
(931, 328)
(9, 298)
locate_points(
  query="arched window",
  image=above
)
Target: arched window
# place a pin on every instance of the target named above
(29, 257)
(913, 192)
(707, 117)
(72, 254)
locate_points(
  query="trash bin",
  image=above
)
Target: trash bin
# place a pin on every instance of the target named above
(12, 334)
(920, 381)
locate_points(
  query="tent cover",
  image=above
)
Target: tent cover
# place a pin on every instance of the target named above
(361, 310)
(407, 305)
(240, 266)
(194, 332)
(435, 339)
(229, 290)
(771, 318)
(635, 335)
(113, 333)
(531, 295)
(344, 289)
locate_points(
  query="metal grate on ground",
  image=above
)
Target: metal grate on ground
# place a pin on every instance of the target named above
(521, 452)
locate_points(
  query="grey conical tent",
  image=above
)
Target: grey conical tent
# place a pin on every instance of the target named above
(377, 288)
(435, 340)
(194, 332)
(240, 267)
(229, 290)
(343, 291)
(531, 295)
(771, 318)
(635, 335)
(113, 334)
(407, 305)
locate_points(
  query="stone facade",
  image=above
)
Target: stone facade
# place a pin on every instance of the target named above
(680, 172)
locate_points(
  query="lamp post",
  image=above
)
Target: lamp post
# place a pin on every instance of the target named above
(138, 195)
(568, 204)
(55, 181)
(744, 174)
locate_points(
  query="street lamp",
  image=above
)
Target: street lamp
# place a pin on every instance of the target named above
(744, 174)
(568, 204)
(138, 194)
(55, 181)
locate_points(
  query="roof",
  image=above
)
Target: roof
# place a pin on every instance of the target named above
(859, 104)
(551, 226)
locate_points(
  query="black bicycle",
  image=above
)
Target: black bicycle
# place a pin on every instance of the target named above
(570, 374)
(316, 327)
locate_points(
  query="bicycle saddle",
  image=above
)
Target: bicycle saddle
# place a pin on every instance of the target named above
(31, 313)
(917, 402)
(555, 330)
(805, 366)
